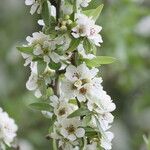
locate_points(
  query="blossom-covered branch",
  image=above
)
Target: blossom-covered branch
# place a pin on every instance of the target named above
(63, 61)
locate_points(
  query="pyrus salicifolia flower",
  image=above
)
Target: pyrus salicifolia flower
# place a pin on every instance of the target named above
(43, 46)
(86, 27)
(106, 141)
(71, 130)
(62, 108)
(8, 129)
(81, 82)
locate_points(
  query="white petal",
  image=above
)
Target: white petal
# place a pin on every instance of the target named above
(66, 89)
(41, 22)
(33, 67)
(71, 137)
(31, 83)
(71, 73)
(75, 35)
(80, 132)
(37, 51)
(34, 8)
(81, 97)
(46, 59)
(106, 142)
(64, 132)
(38, 93)
(29, 2)
(53, 11)
(93, 72)
(55, 57)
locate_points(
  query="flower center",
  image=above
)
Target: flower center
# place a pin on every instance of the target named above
(45, 51)
(81, 30)
(71, 129)
(62, 111)
(83, 90)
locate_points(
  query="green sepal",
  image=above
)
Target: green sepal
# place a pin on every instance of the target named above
(27, 50)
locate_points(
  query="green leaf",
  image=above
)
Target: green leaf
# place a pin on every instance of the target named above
(41, 106)
(94, 13)
(74, 44)
(54, 66)
(99, 60)
(46, 13)
(27, 50)
(80, 112)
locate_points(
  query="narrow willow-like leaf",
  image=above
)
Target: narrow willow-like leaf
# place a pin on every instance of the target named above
(46, 13)
(99, 60)
(94, 13)
(80, 112)
(74, 44)
(27, 50)
(41, 106)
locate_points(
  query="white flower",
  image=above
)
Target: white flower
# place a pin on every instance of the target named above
(36, 6)
(43, 46)
(8, 129)
(81, 82)
(71, 130)
(32, 83)
(83, 3)
(102, 106)
(86, 28)
(81, 50)
(61, 107)
(106, 141)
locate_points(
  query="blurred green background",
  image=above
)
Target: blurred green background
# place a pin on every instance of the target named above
(126, 35)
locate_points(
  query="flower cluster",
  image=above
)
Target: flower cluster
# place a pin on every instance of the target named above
(8, 130)
(63, 61)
